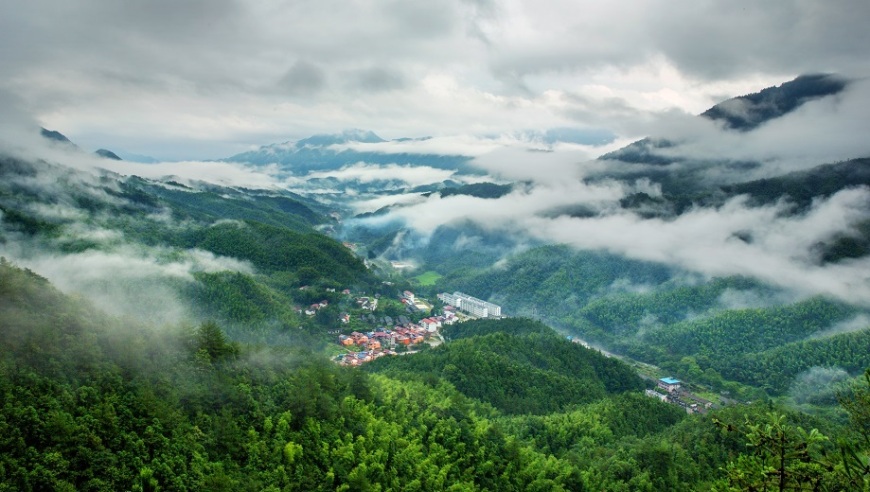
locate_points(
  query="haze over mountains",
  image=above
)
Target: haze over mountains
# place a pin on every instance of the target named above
(729, 194)
(221, 221)
(698, 200)
(745, 273)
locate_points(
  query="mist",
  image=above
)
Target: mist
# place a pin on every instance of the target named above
(818, 385)
(84, 253)
(775, 244)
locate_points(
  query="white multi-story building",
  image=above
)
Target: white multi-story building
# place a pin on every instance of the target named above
(471, 305)
(450, 299)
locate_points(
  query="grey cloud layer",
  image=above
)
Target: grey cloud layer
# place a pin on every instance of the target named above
(208, 79)
(781, 249)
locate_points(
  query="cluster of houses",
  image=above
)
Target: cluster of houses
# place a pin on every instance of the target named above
(312, 309)
(391, 334)
(378, 343)
(410, 334)
(669, 390)
(367, 303)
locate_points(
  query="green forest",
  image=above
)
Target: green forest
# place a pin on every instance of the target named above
(755, 347)
(242, 391)
(93, 402)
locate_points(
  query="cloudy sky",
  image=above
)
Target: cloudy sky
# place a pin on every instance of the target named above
(197, 79)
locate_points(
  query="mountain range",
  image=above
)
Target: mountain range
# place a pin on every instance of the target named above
(160, 332)
(332, 152)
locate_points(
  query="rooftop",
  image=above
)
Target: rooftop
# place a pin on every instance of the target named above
(670, 380)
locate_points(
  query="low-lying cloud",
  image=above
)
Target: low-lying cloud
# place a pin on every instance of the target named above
(127, 280)
(821, 131)
(768, 243)
(367, 173)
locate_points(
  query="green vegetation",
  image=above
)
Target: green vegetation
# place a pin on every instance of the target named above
(241, 395)
(526, 368)
(94, 403)
(272, 249)
(428, 278)
(690, 329)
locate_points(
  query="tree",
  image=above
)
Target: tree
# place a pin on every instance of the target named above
(212, 341)
(782, 457)
(856, 463)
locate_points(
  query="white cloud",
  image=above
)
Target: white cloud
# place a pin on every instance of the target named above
(206, 80)
(707, 241)
(367, 173)
(124, 280)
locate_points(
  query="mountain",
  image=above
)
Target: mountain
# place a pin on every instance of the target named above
(55, 136)
(479, 190)
(180, 251)
(183, 358)
(518, 366)
(108, 154)
(132, 157)
(745, 113)
(688, 178)
(347, 136)
(331, 152)
(701, 311)
(92, 402)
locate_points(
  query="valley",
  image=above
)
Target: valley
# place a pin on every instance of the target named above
(164, 331)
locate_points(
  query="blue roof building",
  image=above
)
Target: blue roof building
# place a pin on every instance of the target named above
(670, 385)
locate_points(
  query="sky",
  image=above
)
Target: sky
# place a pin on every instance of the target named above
(197, 79)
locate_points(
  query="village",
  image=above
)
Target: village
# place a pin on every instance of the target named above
(400, 335)
(673, 391)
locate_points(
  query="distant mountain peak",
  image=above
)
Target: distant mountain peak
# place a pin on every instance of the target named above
(347, 136)
(326, 152)
(741, 113)
(108, 154)
(55, 135)
(747, 112)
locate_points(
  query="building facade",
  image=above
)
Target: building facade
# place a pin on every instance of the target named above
(471, 305)
(670, 385)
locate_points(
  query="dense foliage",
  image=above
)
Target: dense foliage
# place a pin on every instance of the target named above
(92, 402)
(723, 332)
(250, 401)
(272, 248)
(535, 372)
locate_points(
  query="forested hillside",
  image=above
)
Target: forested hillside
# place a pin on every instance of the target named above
(92, 402)
(526, 368)
(174, 334)
(183, 252)
(723, 332)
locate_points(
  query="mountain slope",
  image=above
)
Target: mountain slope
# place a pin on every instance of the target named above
(745, 113)
(518, 366)
(169, 252)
